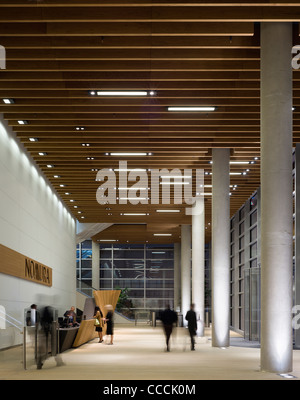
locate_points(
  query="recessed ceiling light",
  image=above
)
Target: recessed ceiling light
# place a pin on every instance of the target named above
(79, 212)
(191, 109)
(85, 144)
(72, 201)
(8, 101)
(33, 139)
(50, 166)
(80, 128)
(56, 176)
(22, 122)
(41, 153)
(82, 217)
(90, 158)
(67, 193)
(62, 185)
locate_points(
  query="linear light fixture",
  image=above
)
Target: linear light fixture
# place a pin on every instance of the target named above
(133, 198)
(162, 234)
(174, 183)
(191, 109)
(176, 177)
(210, 186)
(107, 240)
(231, 173)
(130, 170)
(238, 162)
(121, 154)
(134, 214)
(133, 188)
(122, 93)
(168, 211)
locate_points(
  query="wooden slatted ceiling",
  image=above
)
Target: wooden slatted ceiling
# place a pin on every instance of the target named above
(190, 54)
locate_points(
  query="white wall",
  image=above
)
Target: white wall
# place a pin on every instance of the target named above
(34, 222)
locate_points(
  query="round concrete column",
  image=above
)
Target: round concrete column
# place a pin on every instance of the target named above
(276, 197)
(198, 261)
(185, 270)
(220, 248)
(177, 276)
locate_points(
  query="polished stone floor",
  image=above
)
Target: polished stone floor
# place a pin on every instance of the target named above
(139, 353)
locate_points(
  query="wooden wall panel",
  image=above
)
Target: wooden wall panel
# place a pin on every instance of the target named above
(20, 266)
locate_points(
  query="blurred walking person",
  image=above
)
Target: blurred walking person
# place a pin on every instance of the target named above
(191, 317)
(168, 318)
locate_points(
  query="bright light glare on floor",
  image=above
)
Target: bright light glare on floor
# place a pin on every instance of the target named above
(287, 376)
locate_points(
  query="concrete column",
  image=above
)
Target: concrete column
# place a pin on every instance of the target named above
(297, 244)
(198, 262)
(185, 269)
(177, 276)
(95, 265)
(220, 248)
(276, 197)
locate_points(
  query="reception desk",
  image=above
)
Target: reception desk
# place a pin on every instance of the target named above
(66, 338)
(86, 332)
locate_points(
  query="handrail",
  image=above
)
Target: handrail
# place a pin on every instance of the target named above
(11, 323)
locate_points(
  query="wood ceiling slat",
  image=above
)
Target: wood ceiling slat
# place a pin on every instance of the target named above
(151, 13)
(127, 29)
(195, 53)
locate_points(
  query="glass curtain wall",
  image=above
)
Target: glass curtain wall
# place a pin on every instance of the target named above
(245, 269)
(84, 257)
(147, 271)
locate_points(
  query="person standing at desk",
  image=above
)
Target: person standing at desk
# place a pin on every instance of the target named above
(99, 327)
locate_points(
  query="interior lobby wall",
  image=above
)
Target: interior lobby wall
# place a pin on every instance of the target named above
(35, 223)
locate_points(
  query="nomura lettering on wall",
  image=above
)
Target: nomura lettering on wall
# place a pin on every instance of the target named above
(20, 266)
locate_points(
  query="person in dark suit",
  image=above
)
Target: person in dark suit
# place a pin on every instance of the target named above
(168, 318)
(192, 325)
(109, 319)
